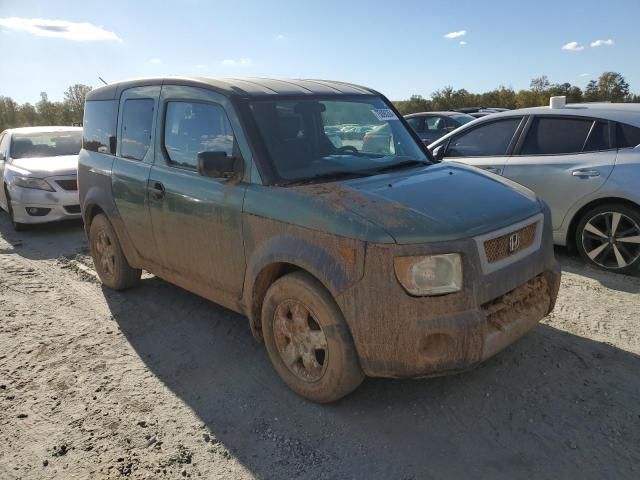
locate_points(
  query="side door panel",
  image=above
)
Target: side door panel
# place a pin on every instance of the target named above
(130, 175)
(197, 220)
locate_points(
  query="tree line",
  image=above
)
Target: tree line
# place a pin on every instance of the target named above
(610, 87)
(44, 112)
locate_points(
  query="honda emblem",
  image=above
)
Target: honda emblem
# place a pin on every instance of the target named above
(514, 242)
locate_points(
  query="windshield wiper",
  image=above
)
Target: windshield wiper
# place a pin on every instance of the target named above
(400, 165)
(331, 176)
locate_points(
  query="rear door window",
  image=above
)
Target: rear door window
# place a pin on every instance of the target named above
(627, 136)
(99, 126)
(191, 128)
(487, 140)
(556, 136)
(137, 125)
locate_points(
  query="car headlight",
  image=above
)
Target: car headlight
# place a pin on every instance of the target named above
(30, 182)
(430, 274)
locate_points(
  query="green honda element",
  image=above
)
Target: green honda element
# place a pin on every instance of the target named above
(349, 261)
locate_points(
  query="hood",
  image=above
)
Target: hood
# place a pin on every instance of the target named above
(436, 203)
(47, 166)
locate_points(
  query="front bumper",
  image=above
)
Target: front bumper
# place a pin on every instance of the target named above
(61, 204)
(397, 335)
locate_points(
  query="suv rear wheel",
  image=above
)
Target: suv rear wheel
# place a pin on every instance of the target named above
(308, 340)
(608, 236)
(109, 261)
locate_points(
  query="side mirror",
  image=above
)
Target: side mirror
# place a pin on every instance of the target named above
(438, 153)
(218, 165)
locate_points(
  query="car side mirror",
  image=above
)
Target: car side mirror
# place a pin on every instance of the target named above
(218, 165)
(438, 153)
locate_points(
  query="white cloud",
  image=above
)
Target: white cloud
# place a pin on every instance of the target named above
(600, 43)
(462, 42)
(155, 61)
(459, 33)
(281, 36)
(573, 46)
(42, 27)
(200, 67)
(241, 62)
(584, 75)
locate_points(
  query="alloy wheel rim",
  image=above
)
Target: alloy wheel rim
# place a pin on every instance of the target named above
(106, 253)
(300, 341)
(611, 240)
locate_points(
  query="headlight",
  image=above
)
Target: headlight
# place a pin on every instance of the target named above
(430, 275)
(30, 182)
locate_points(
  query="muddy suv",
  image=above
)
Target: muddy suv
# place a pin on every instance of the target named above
(346, 262)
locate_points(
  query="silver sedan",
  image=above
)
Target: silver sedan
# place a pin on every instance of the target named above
(38, 169)
(583, 160)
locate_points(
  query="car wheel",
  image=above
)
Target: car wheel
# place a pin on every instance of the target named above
(17, 226)
(109, 261)
(308, 340)
(609, 237)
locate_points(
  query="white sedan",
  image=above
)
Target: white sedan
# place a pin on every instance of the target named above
(38, 169)
(583, 160)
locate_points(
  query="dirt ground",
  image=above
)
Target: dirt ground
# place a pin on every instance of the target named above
(158, 383)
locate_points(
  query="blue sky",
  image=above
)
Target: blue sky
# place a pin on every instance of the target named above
(398, 47)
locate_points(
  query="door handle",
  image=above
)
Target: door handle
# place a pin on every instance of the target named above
(585, 173)
(496, 170)
(156, 190)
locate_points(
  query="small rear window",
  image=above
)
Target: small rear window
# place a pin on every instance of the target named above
(99, 123)
(627, 136)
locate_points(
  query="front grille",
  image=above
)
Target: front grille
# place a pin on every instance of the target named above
(531, 297)
(502, 247)
(72, 208)
(70, 185)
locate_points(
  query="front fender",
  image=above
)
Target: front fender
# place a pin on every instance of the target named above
(337, 262)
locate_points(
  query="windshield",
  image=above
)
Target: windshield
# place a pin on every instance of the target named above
(46, 144)
(313, 139)
(462, 119)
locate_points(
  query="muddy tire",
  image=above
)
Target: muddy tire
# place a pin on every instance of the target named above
(17, 226)
(308, 340)
(608, 237)
(109, 261)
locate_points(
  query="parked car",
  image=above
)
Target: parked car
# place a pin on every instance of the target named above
(583, 160)
(347, 263)
(430, 126)
(38, 169)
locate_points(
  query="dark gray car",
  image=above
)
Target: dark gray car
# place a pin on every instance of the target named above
(433, 125)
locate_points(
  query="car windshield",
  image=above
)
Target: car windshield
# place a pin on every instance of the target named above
(46, 144)
(462, 119)
(316, 139)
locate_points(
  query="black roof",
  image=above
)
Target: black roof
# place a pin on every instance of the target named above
(244, 87)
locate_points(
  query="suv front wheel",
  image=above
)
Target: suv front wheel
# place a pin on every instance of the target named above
(109, 261)
(608, 236)
(308, 340)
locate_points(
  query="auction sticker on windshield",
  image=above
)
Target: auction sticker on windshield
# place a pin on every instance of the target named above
(384, 114)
